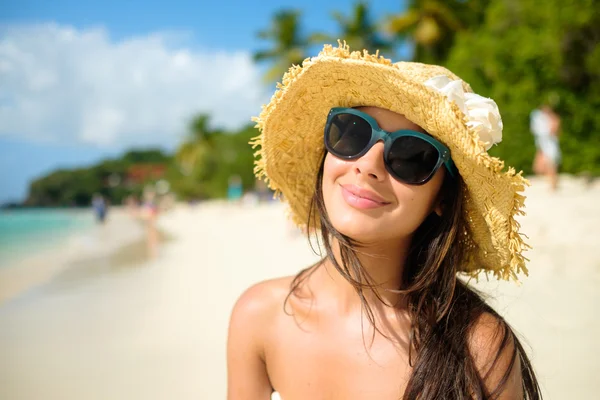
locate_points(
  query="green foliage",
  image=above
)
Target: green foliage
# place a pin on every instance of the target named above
(431, 25)
(288, 44)
(200, 169)
(209, 157)
(225, 154)
(232, 156)
(358, 30)
(152, 156)
(525, 55)
(109, 177)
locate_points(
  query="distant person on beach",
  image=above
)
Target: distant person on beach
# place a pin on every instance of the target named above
(545, 126)
(149, 204)
(388, 164)
(234, 188)
(263, 192)
(132, 205)
(100, 207)
(149, 213)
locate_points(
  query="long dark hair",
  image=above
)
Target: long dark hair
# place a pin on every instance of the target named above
(442, 309)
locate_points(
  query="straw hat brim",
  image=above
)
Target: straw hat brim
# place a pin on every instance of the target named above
(291, 145)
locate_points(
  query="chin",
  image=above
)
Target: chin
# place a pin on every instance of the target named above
(361, 227)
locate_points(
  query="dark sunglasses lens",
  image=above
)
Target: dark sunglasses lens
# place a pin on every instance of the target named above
(347, 135)
(412, 159)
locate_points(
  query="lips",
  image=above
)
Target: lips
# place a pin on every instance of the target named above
(362, 198)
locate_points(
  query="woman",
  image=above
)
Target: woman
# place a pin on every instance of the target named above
(545, 125)
(389, 163)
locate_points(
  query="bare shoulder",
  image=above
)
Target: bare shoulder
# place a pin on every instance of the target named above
(251, 319)
(492, 345)
(261, 299)
(487, 336)
(258, 305)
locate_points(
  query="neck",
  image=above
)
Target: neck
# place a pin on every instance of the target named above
(382, 262)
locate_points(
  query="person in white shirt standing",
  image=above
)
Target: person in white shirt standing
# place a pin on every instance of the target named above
(545, 126)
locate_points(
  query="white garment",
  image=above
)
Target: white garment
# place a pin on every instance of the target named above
(275, 396)
(540, 124)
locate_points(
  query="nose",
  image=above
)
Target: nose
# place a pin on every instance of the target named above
(371, 165)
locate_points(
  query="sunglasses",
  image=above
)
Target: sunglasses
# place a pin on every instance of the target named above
(409, 156)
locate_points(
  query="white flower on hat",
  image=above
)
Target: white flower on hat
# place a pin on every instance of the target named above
(482, 113)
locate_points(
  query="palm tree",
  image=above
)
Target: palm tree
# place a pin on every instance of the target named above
(288, 44)
(433, 24)
(358, 31)
(194, 152)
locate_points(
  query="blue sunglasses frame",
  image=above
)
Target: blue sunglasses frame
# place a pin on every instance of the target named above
(388, 138)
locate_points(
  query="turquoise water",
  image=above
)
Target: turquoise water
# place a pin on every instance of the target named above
(27, 232)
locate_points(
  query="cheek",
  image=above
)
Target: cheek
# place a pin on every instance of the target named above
(333, 168)
(340, 214)
(415, 203)
(412, 209)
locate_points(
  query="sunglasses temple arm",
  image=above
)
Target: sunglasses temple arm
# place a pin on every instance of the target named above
(451, 168)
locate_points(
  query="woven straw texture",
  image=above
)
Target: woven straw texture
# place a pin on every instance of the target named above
(290, 145)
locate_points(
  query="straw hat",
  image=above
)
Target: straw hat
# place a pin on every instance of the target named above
(291, 141)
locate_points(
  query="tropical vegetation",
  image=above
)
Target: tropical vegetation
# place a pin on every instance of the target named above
(115, 179)
(523, 55)
(518, 52)
(200, 169)
(289, 43)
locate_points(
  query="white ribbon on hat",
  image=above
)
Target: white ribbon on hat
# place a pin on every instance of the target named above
(481, 113)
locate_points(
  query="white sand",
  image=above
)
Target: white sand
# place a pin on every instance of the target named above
(158, 331)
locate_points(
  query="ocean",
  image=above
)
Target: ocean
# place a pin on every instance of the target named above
(25, 232)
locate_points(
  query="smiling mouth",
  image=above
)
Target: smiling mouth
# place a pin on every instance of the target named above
(362, 198)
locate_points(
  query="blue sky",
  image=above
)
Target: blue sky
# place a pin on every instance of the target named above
(82, 81)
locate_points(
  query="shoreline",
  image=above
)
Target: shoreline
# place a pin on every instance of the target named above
(18, 246)
(108, 243)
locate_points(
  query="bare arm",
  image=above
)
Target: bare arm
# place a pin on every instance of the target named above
(555, 124)
(247, 377)
(485, 342)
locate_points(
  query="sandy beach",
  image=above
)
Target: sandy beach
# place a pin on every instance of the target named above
(119, 326)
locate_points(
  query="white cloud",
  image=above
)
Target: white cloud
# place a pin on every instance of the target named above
(61, 84)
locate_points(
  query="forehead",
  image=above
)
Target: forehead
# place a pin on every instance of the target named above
(389, 120)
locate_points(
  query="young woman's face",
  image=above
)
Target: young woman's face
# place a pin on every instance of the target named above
(365, 202)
